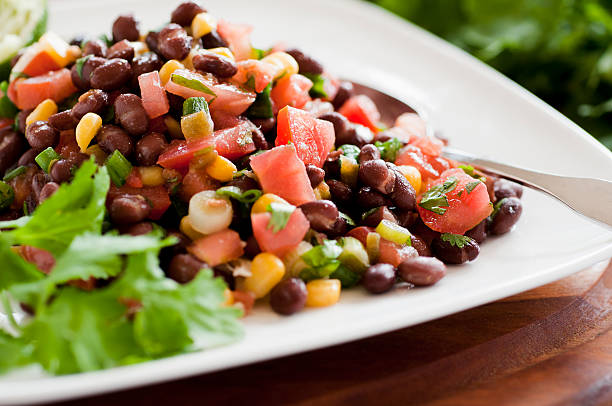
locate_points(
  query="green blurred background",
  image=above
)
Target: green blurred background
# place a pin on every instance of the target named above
(561, 50)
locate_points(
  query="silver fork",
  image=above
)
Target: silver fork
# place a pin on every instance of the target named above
(575, 192)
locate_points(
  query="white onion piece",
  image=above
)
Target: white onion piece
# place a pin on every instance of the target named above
(209, 213)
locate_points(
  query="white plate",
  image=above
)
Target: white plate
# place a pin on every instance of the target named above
(477, 108)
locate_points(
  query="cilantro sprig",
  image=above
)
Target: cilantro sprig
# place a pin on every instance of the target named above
(280, 214)
(456, 240)
(435, 199)
(389, 149)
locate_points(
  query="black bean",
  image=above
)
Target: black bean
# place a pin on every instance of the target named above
(111, 138)
(129, 209)
(345, 91)
(92, 101)
(218, 65)
(340, 192)
(125, 27)
(315, 174)
(266, 125)
(322, 214)
(376, 216)
(504, 188)
(63, 121)
(403, 194)
(61, 170)
(406, 218)
(41, 135)
(149, 148)
(379, 278)
(77, 40)
(122, 49)
(368, 152)
(356, 134)
(453, 254)
(341, 125)
(27, 158)
(145, 63)
(479, 232)
(173, 42)
(184, 13)
(306, 63)
(151, 41)
(369, 198)
(421, 271)
(39, 180)
(47, 191)
(184, 267)
(340, 228)
(11, 146)
(213, 40)
(21, 119)
(289, 296)
(130, 113)
(509, 212)
(82, 80)
(95, 47)
(142, 228)
(252, 248)
(420, 245)
(377, 175)
(259, 139)
(244, 183)
(111, 75)
(332, 165)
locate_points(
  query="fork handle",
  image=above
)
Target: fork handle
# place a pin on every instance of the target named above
(588, 196)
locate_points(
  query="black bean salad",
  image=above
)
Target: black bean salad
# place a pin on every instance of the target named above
(189, 153)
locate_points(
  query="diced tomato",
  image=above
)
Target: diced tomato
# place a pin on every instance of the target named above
(439, 163)
(187, 92)
(43, 259)
(261, 73)
(411, 155)
(399, 133)
(235, 142)
(361, 233)
(312, 138)
(5, 122)
(361, 110)
(247, 299)
(231, 99)
(281, 242)
(389, 252)
(35, 61)
(218, 248)
(291, 91)
(411, 123)
(28, 93)
(156, 196)
(429, 145)
(238, 36)
(465, 209)
(134, 179)
(281, 172)
(154, 99)
(179, 153)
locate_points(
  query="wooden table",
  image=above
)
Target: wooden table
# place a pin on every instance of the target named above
(548, 346)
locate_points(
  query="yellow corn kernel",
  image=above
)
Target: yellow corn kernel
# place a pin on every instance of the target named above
(187, 229)
(188, 61)
(98, 154)
(58, 49)
(87, 129)
(221, 169)
(229, 297)
(42, 112)
(322, 292)
(168, 69)
(139, 47)
(226, 52)
(197, 125)
(285, 62)
(266, 271)
(202, 24)
(261, 204)
(413, 175)
(151, 175)
(174, 127)
(322, 191)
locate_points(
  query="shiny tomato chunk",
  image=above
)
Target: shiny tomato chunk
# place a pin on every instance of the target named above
(154, 99)
(291, 91)
(361, 110)
(259, 72)
(28, 93)
(218, 248)
(282, 241)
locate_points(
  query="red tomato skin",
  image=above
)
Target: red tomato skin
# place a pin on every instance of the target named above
(361, 110)
(291, 91)
(154, 98)
(133, 179)
(218, 248)
(28, 93)
(157, 196)
(284, 240)
(412, 155)
(40, 63)
(465, 209)
(281, 172)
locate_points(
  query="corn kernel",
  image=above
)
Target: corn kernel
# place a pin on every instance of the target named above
(58, 49)
(42, 112)
(261, 204)
(197, 125)
(322, 292)
(322, 191)
(174, 127)
(87, 129)
(151, 175)
(98, 154)
(221, 169)
(267, 270)
(188, 61)
(168, 69)
(203, 24)
(413, 176)
(229, 297)
(187, 229)
(226, 52)
(286, 63)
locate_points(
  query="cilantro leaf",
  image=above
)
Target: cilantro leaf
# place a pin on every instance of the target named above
(193, 84)
(389, 149)
(322, 260)
(350, 150)
(262, 106)
(280, 214)
(248, 196)
(456, 240)
(79, 65)
(471, 186)
(435, 198)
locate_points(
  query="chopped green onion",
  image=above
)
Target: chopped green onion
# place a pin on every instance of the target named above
(262, 106)
(7, 195)
(118, 167)
(194, 105)
(388, 149)
(193, 84)
(350, 150)
(236, 193)
(393, 232)
(318, 85)
(46, 158)
(349, 170)
(347, 277)
(14, 173)
(280, 214)
(346, 218)
(354, 255)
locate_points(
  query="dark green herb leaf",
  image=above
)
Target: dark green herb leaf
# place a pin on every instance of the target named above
(389, 149)
(7, 195)
(456, 240)
(262, 106)
(347, 277)
(193, 84)
(7, 108)
(318, 85)
(79, 65)
(472, 185)
(435, 198)
(194, 105)
(235, 192)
